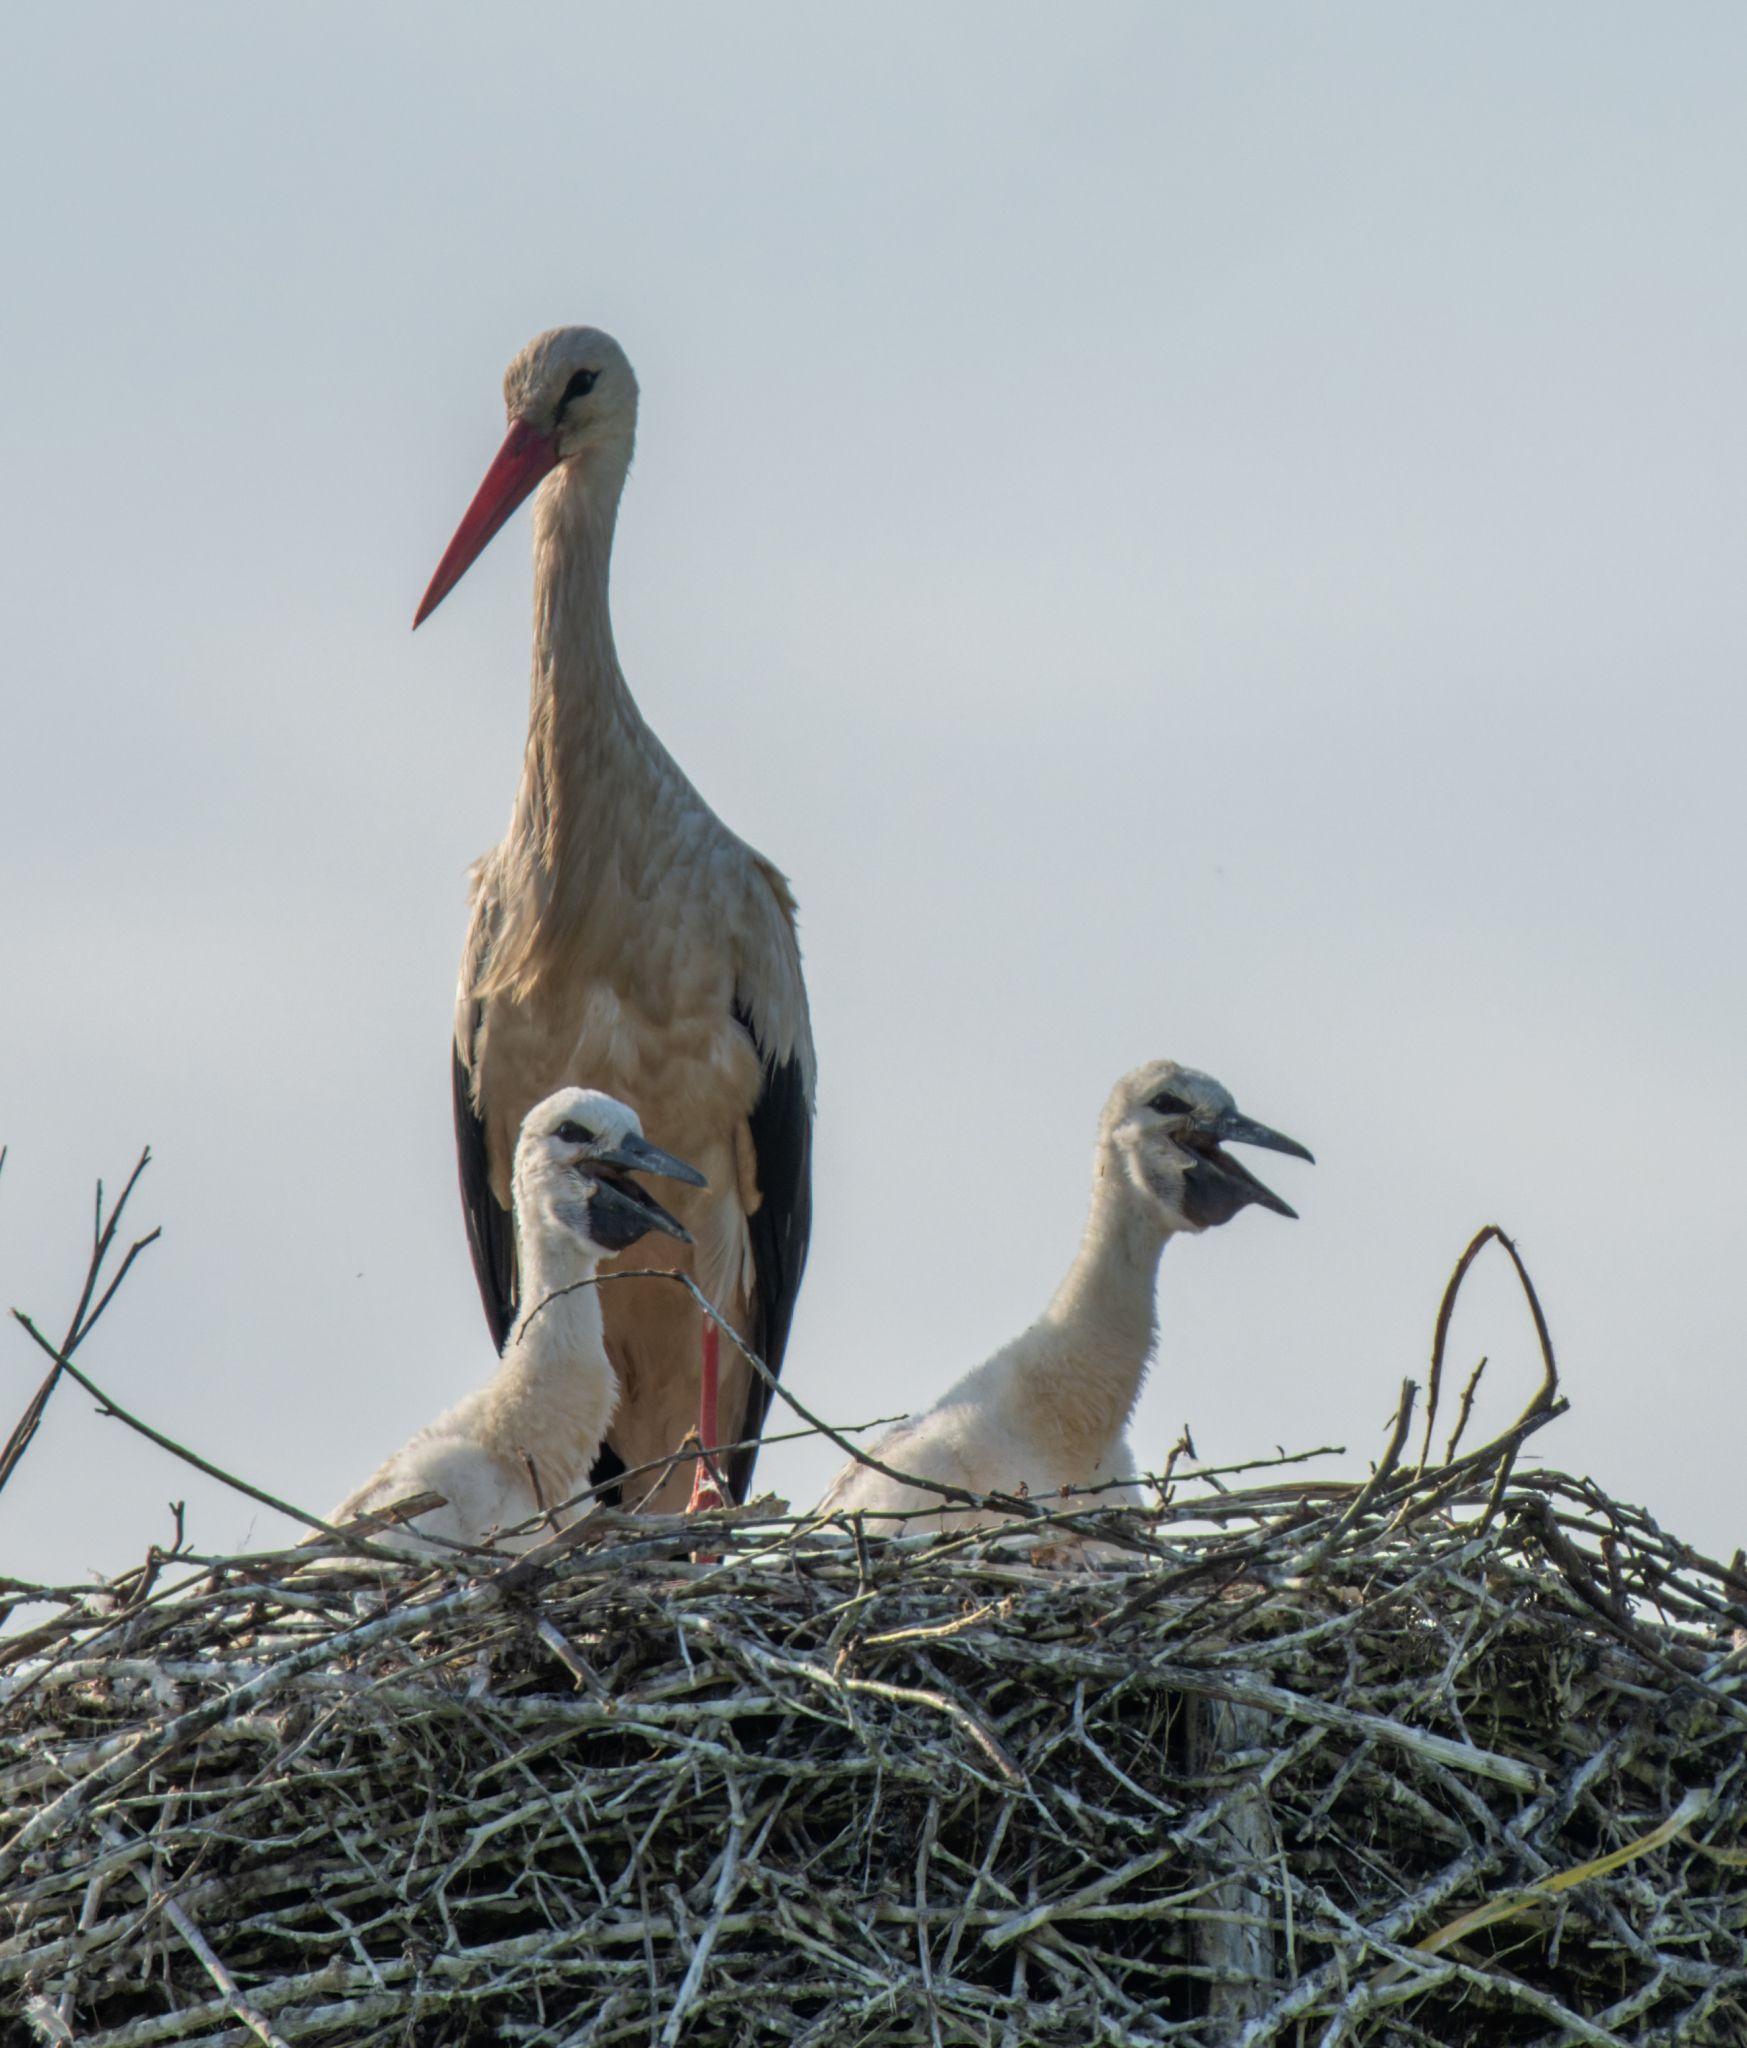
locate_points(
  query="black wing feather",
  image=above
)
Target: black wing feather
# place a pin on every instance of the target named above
(490, 1235)
(782, 1143)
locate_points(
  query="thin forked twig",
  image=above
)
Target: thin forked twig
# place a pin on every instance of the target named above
(85, 1316)
(110, 1406)
(1464, 1411)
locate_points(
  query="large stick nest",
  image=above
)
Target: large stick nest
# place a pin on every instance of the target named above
(1453, 1757)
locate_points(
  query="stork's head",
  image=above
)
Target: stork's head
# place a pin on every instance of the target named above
(574, 1161)
(575, 386)
(571, 395)
(1165, 1128)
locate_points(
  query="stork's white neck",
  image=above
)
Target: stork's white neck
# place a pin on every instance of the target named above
(1102, 1323)
(593, 774)
(575, 512)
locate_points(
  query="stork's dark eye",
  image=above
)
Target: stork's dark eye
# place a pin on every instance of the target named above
(1171, 1105)
(579, 387)
(574, 1133)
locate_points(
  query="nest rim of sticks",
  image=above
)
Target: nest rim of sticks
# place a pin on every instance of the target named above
(1454, 1752)
(1094, 1794)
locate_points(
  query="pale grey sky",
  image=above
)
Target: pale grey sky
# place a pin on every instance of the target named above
(1186, 531)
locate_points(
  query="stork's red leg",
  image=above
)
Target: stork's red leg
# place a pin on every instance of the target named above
(705, 1492)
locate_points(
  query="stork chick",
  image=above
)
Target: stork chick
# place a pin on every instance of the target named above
(524, 1443)
(1050, 1410)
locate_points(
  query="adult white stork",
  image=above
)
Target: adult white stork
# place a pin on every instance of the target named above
(623, 938)
(1050, 1410)
(525, 1443)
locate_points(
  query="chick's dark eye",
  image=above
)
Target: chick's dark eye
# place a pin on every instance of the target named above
(574, 1133)
(1170, 1105)
(579, 387)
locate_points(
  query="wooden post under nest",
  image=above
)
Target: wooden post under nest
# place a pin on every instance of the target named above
(1239, 1938)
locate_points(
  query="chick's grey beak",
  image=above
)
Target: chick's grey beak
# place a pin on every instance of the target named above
(621, 1211)
(1233, 1129)
(637, 1155)
(1219, 1186)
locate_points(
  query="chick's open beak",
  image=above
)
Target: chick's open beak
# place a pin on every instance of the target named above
(621, 1211)
(1220, 1185)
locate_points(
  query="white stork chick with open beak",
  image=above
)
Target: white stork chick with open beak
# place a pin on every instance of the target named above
(622, 937)
(524, 1443)
(1050, 1410)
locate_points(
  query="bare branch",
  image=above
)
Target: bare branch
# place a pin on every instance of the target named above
(85, 1317)
(108, 1405)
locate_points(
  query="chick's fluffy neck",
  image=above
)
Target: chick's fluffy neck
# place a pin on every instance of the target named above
(1096, 1338)
(554, 1391)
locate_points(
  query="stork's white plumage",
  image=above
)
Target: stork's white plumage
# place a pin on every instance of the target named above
(525, 1442)
(624, 938)
(1050, 1410)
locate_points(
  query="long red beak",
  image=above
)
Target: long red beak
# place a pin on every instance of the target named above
(524, 458)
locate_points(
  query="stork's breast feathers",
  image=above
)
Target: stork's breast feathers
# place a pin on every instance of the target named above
(663, 969)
